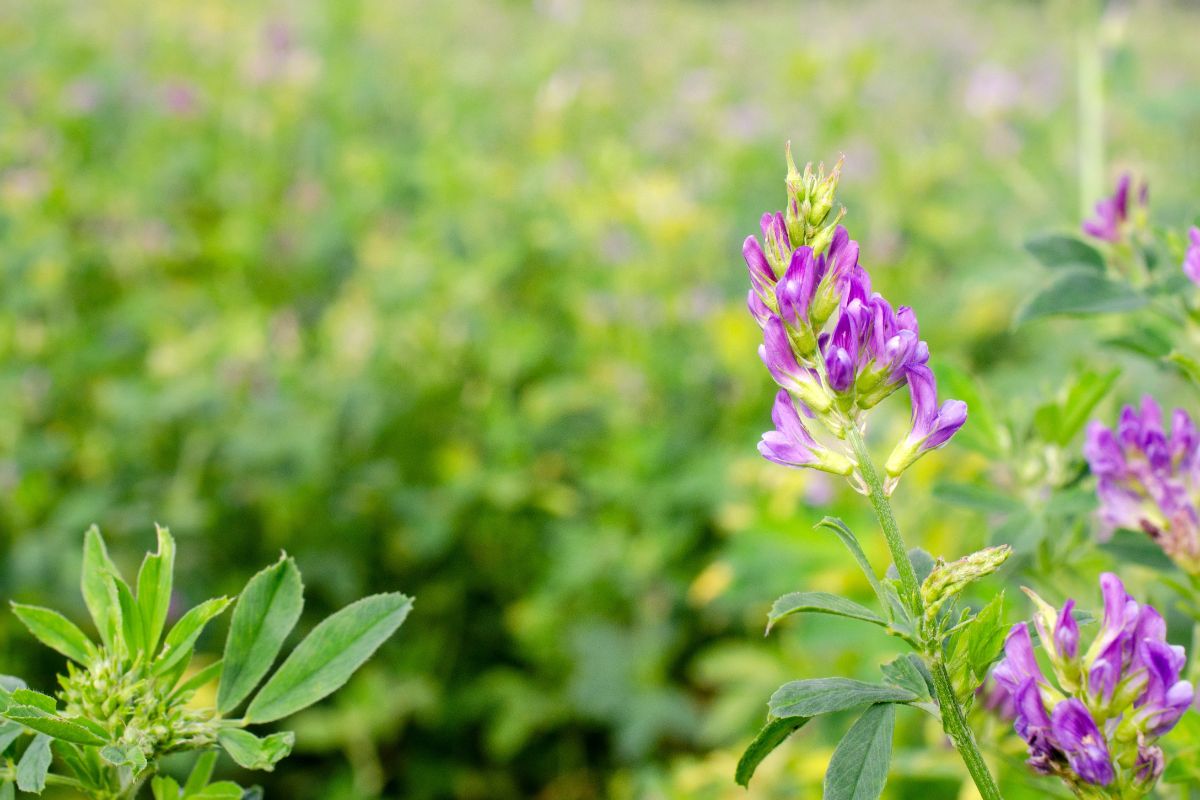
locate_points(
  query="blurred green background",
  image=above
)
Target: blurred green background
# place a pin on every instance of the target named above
(446, 297)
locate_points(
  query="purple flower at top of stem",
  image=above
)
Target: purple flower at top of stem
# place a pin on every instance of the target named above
(1148, 478)
(834, 345)
(1113, 213)
(1191, 259)
(1094, 720)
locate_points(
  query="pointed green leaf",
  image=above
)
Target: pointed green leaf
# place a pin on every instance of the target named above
(124, 755)
(154, 588)
(1188, 365)
(99, 588)
(771, 736)
(164, 788)
(56, 632)
(1077, 293)
(131, 621)
(201, 678)
(851, 542)
(808, 698)
(201, 772)
(265, 614)
(28, 697)
(9, 731)
(182, 638)
(820, 603)
(908, 672)
(1058, 250)
(859, 767)
(52, 725)
(225, 790)
(251, 752)
(327, 658)
(34, 765)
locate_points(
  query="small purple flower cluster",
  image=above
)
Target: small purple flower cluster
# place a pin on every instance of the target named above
(1113, 214)
(1148, 478)
(834, 346)
(1096, 723)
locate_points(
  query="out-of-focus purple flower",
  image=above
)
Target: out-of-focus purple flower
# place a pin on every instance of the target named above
(1095, 717)
(791, 445)
(932, 425)
(1191, 259)
(1148, 479)
(1113, 213)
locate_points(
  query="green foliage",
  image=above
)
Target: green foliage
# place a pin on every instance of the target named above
(1060, 251)
(1080, 293)
(859, 767)
(820, 603)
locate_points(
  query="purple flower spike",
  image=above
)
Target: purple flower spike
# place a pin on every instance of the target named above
(803, 382)
(1191, 260)
(1077, 735)
(791, 445)
(1113, 213)
(932, 426)
(1094, 718)
(1148, 479)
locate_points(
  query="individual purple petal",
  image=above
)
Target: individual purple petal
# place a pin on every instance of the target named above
(1191, 259)
(1066, 632)
(791, 444)
(762, 277)
(1019, 663)
(1075, 733)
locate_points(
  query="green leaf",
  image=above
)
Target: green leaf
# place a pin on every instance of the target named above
(154, 588)
(34, 765)
(922, 564)
(52, 725)
(164, 788)
(182, 638)
(980, 498)
(201, 772)
(99, 588)
(1136, 547)
(10, 683)
(7, 792)
(771, 736)
(985, 636)
(29, 697)
(131, 621)
(9, 731)
(327, 658)
(982, 433)
(1084, 394)
(56, 632)
(1080, 293)
(808, 698)
(201, 678)
(859, 767)
(225, 790)
(124, 756)
(1189, 366)
(266, 612)
(908, 672)
(251, 752)
(851, 542)
(820, 603)
(1059, 251)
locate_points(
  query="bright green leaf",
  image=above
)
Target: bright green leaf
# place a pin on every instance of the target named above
(55, 631)
(179, 642)
(808, 698)
(34, 765)
(982, 433)
(1188, 365)
(820, 603)
(7, 791)
(252, 752)
(201, 678)
(201, 772)
(154, 588)
(124, 756)
(225, 790)
(164, 788)
(771, 736)
(265, 614)
(52, 725)
(848, 539)
(327, 658)
(859, 767)
(99, 588)
(29, 697)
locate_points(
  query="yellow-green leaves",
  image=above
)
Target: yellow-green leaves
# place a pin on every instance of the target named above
(154, 588)
(56, 632)
(265, 614)
(253, 752)
(327, 658)
(179, 642)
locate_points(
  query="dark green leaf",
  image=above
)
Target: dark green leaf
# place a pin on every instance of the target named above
(55, 631)
(820, 603)
(771, 736)
(1078, 293)
(922, 564)
(34, 765)
(1057, 250)
(265, 614)
(908, 672)
(980, 498)
(252, 752)
(329, 656)
(154, 589)
(859, 767)
(848, 538)
(808, 698)
(1136, 547)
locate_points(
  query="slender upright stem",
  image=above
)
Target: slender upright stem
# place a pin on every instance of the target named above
(954, 720)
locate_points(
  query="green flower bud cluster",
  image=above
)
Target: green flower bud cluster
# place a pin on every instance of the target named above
(947, 580)
(136, 707)
(810, 201)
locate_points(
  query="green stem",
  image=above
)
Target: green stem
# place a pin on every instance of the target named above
(954, 720)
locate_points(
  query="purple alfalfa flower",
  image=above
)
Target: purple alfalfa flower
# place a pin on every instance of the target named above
(1148, 479)
(1113, 213)
(932, 425)
(1191, 259)
(791, 445)
(1097, 714)
(802, 381)
(1076, 734)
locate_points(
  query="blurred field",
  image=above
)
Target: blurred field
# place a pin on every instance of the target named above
(447, 298)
